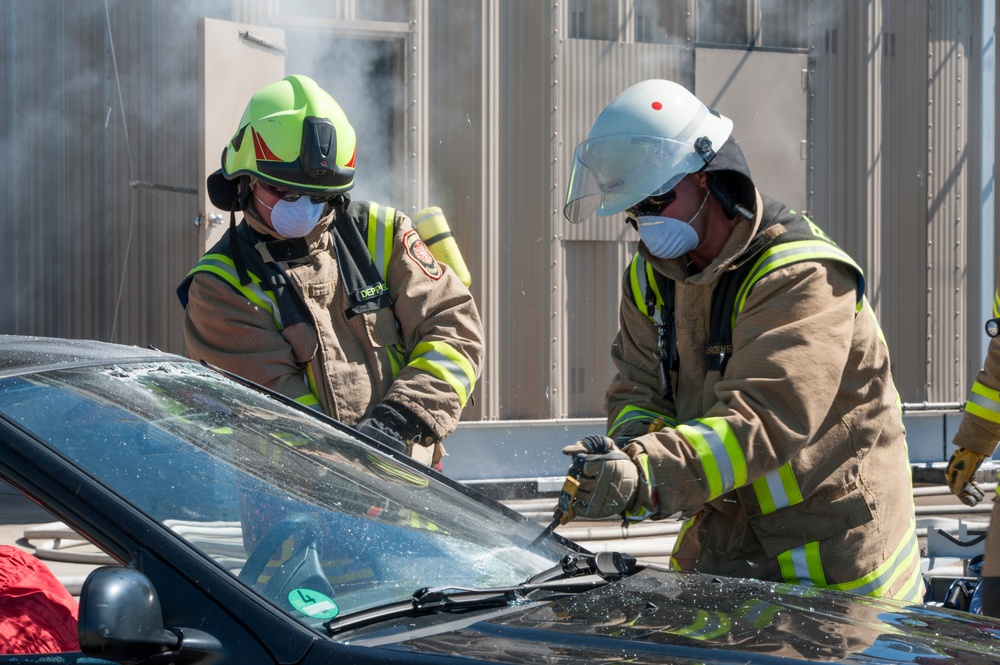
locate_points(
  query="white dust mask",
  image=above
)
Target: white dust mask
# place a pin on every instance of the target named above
(668, 237)
(295, 219)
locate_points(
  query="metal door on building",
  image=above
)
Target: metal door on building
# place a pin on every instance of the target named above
(361, 68)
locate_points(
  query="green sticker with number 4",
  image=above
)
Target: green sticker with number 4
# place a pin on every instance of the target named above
(313, 603)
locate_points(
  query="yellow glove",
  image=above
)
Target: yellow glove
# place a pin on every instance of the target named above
(961, 470)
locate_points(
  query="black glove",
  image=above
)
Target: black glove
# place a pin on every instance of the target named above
(382, 433)
(396, 426)
(387, 424)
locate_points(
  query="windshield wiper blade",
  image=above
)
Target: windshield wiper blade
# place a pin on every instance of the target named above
(611, 566)
(452, 599)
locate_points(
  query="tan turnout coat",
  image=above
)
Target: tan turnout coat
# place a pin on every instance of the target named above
(807, 394)
(348, 355)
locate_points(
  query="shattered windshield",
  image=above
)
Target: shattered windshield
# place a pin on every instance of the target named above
(315, 520)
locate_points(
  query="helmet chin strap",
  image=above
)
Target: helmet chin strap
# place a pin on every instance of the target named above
(234, 247)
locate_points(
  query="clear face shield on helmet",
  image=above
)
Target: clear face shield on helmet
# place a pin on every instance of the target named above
(612, 173)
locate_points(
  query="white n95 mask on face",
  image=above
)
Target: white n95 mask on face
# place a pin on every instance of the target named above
(295, 219)
(668, 237)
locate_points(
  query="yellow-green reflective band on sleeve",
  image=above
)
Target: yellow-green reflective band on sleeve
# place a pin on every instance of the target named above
(984, 402)
(647, 477)
(785, 254)
(380, 232)
(777, 489)
(224, 267)
(440, 359)
(996, 305)
(631, 414)
(719, 452)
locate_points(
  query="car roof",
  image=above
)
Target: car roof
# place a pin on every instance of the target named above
(20, 354)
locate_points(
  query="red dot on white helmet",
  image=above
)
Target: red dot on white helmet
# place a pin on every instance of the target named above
(657, 106)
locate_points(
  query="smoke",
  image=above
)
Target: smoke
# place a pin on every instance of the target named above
(360, 74)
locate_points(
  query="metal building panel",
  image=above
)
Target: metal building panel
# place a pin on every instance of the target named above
(527, 246)
(949, 47)
(103, 222)
(594, 272)
(237, 60)
(764, 93)
(462, 110)
(591, 73)
(898, 268)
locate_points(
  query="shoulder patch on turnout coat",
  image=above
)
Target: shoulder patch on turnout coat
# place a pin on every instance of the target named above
(417, 250)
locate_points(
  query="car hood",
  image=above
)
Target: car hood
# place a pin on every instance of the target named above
(660, 616)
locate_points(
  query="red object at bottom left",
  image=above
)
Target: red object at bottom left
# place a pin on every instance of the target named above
(37, 613)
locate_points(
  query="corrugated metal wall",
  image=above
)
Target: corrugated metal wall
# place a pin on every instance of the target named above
(890, 166)
(948, 173)
(92, 245)
(506, 89)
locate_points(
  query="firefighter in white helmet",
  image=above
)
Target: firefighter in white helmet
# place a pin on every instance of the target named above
(753, 395)
(975, 440)
(335, 303)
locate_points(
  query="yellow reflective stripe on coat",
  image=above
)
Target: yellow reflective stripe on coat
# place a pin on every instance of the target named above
(685, 527)
(787, 253)
(984, 402)
(641, 278)
(381, 223)
(312, 399)
(631, 414)
(224, 267)
(905, 560)
(802, 565)
(719, 452)
(440, 359)
(996, 304)
(381, 231)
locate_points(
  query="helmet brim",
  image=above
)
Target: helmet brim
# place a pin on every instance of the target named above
(223, 192)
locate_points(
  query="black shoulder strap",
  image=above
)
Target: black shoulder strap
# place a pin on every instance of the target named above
(666, 344)
(367, 290)
(293, 309)
(778, 225)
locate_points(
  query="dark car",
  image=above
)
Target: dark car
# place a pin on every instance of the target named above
(252, 530)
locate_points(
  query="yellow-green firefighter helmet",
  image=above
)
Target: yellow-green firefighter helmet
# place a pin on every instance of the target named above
(293, 134)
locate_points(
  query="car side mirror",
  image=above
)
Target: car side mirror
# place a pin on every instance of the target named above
(120, 620)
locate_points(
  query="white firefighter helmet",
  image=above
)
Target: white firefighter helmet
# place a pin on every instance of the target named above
(647, 139)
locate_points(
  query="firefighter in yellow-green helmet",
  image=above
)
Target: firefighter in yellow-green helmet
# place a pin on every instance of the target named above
(335, 303)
